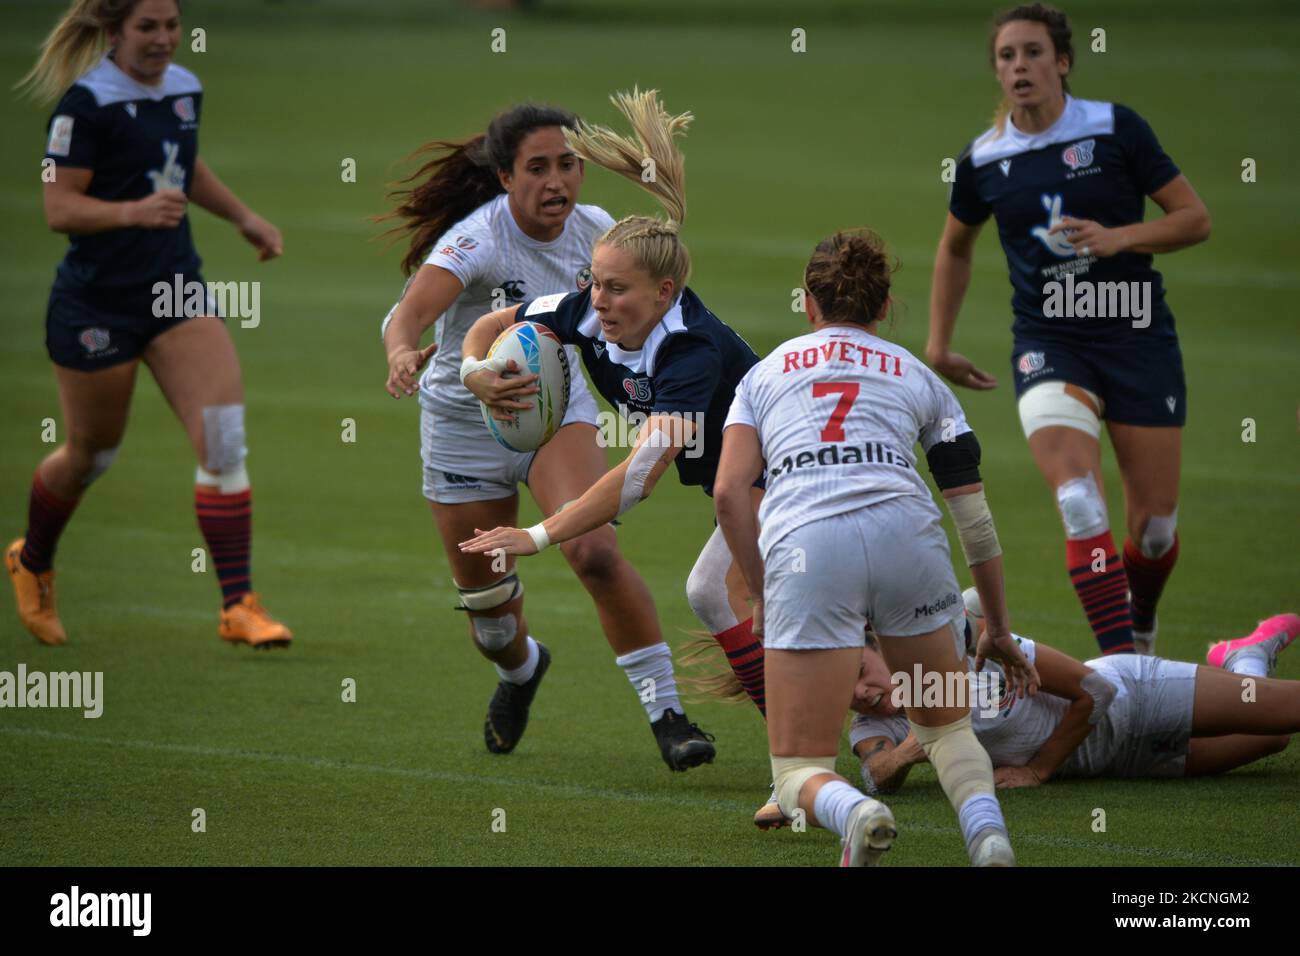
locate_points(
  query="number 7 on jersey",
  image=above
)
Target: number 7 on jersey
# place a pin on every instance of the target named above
(848, 392)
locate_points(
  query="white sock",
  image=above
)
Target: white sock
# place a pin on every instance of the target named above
(977, 814)
(1252, 665)
(650, 669)
(834, 802)
(524, 672)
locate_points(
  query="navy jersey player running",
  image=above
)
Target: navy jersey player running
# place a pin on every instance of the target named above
(123, 150)
(652, 349)
(1066, 180)
(497, 217)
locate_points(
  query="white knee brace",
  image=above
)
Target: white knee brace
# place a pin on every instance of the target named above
(1158, 535)
(492, 633)
(789, 774)
(100, 463)
(223, 436)
(1083, 509)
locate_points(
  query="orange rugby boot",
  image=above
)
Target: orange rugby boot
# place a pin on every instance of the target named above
(249, 623)
(35, 595)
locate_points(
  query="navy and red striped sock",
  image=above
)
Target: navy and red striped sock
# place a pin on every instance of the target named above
(1103, 593)
(1146, 579)
(226, 521)
(745, 655)
(46, 516)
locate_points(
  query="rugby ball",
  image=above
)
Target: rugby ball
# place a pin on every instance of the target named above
(536, 350)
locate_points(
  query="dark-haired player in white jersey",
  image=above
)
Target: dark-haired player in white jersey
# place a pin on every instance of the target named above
(123, 150)
(496, 220)
(850, 533)
(1067, 180)
(1117, 716)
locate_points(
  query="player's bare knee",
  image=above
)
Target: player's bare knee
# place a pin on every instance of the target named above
(593, 557)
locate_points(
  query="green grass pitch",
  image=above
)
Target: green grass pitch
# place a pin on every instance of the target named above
(786, 148)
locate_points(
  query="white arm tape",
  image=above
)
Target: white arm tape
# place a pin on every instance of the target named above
(1102, 692)
(539, 536)
(469, 365)
(975, 531)
(643, 462)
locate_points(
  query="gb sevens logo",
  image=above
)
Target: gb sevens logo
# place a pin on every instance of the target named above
(1057, 242)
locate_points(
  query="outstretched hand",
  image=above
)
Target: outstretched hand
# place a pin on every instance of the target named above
(505, 540)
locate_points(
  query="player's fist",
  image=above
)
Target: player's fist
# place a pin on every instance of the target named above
(161, 210)
(960, 370)
(263, 236)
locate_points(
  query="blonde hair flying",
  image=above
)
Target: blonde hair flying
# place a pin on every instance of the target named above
(76, 42)
(650, 159)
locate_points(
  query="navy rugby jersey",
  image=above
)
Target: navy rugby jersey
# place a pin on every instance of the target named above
(137, 139)
(1098, 161)
(690, 363)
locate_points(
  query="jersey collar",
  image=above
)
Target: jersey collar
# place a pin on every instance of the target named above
(641, 360)
(1080, 118)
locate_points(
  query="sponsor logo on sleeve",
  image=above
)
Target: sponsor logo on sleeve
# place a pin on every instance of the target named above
(60, 136)
(184, 108)
(543, 303)
(583, 278)
(466, 242)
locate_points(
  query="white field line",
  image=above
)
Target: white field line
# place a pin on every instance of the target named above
(623, 796)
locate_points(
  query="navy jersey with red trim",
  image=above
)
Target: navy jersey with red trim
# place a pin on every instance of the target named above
(690, 364)
(136, 140)
(1098, 161)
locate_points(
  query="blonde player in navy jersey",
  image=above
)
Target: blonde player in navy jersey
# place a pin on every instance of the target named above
(1116, 716)
(850, 533)
(652, 349)
(1067, 180)
(497, 219)
(123, 142)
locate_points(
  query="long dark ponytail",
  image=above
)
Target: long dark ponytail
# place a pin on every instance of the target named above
(450, 186)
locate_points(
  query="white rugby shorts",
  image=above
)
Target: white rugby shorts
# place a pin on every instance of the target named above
(887, 563)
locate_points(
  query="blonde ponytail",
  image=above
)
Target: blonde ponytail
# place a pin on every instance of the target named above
(654, 244)
(73, 46)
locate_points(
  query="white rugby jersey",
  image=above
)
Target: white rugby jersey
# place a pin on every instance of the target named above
(500, 266)
(1012, 735)
(838, 412)
(1022, 724)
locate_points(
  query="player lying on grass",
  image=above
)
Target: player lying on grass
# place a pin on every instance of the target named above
(652, 349)
(497, 213)
(1116, 716)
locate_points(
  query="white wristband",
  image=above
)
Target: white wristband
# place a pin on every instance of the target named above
(539, 536)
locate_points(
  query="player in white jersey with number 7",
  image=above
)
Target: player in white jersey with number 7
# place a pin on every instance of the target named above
(496, 220)
(850, 534)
